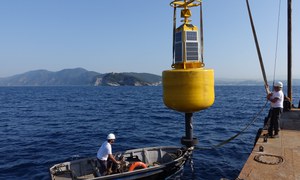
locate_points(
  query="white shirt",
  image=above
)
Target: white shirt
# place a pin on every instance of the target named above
(104, 151)
(279, 102)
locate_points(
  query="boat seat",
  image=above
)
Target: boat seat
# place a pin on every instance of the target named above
(62, 172)
(133, 158)
(66, 174)
(145, 155)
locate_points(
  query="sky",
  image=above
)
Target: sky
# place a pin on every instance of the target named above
(136, 36)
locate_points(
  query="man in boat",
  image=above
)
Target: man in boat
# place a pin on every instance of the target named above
(276, 98)
(104, 155)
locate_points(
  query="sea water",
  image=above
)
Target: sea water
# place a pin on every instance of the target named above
(42, 126)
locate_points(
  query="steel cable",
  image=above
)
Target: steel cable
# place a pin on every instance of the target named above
(277, 35)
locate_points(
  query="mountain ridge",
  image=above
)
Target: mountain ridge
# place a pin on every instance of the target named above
(80, 77)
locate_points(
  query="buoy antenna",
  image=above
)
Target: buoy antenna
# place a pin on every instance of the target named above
(185, 5)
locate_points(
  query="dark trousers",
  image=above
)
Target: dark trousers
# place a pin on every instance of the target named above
(274, 124)
(103, 167)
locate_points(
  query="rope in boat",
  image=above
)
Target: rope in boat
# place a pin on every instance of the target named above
(236, 135)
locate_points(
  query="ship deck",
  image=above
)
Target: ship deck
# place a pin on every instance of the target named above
(276, 158)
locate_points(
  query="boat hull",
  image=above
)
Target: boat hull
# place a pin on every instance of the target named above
(162, 162)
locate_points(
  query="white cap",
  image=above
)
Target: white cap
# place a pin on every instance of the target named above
(278, 84)
(111, 136)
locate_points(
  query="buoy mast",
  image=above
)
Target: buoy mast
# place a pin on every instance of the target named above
(188, 87)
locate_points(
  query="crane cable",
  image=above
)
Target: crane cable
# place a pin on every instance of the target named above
(277, 35)
(258, 50)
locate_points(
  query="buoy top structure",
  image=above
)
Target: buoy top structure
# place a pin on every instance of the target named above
(188, 87)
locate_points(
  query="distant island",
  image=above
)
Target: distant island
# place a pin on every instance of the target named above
(80, 77)
(83, 77)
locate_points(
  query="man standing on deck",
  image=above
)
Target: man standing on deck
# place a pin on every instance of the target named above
(104, 153)
(276, 98)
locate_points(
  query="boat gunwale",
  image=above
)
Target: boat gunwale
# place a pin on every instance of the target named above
(153, 169)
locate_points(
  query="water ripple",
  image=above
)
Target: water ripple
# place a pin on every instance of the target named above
(41, 126)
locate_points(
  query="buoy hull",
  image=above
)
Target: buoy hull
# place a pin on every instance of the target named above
(188, 90)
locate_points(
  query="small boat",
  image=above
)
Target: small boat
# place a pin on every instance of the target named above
(144, 163)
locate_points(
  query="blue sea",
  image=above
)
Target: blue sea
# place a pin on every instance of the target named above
(42, 126)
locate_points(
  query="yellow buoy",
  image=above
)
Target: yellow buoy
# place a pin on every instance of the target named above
(189, 87)
(188, 90)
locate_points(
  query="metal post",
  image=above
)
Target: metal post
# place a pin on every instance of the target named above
(289, 50)
(189, 140)
(189, 126)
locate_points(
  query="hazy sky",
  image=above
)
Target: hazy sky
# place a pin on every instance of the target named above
(136, 36)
